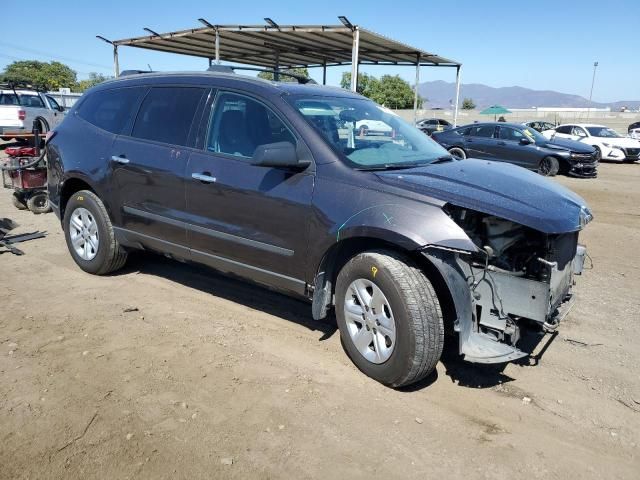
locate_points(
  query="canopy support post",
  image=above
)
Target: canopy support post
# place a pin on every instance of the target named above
(217, 47)
(455, 112)
(415, 90)
(354, 59)
(324, 72)
(276, 69)
(116, 63)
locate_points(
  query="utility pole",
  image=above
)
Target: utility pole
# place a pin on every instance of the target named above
(593, 81)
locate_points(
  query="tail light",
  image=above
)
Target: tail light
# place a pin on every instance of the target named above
(50, 134)
(22, 114)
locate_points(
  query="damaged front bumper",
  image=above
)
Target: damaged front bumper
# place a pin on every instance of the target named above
(492, 305)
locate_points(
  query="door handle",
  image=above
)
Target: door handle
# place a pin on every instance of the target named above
(119, 159)
(204, 177)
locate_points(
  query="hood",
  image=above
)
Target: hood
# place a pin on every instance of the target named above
(572, 145)
(499, 189)
(624, 142)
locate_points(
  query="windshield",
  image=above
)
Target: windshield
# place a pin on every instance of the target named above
(368, 136)
(603, 132)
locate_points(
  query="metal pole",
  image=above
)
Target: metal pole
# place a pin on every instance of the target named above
(415, 90)
(217, 47)
(116, 64)
(324, 72)
(593, 81)
(354, 59)
(276, 73)
(455, 112)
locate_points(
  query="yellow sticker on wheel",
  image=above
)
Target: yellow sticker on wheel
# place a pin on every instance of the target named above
(374, 270)
(80, 198)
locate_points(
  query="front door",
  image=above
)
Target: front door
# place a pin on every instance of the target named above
(149, 165)
(510, 149)
(246, 219)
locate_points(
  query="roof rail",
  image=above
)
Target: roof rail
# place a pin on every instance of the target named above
(21, 86)
(124, 73)
(227, 69)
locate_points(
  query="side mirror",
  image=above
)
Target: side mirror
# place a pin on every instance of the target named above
(525, 141)
(278, 154)
(60, 108)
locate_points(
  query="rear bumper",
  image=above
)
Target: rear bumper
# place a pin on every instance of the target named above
(7, 131)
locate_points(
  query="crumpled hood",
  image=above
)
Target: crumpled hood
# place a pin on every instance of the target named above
(572, 145)
(499, 189)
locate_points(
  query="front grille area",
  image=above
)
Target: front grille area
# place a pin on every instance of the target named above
(583, 157)
(633, 152)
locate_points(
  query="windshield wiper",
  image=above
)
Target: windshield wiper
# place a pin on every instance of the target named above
(443, 159)
(390, 166)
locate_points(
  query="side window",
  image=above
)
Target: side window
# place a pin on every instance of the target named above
(240, 124)
(564, 129)
(578, 131)
(511, 134)
(32, 101)
(110, 110)
(485, 131)
(464, 131)
(54, 105)
(166, 114)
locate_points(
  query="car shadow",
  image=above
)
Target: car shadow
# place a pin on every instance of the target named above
(229, 288)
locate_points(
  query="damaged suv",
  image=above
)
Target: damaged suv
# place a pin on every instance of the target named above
(274, 183)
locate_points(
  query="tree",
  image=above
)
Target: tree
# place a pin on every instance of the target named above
(390, 90)
(45, 75)
(302, 71)
(93, 80)
(467, 104)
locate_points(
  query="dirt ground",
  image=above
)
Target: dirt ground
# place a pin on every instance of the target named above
(210, 377)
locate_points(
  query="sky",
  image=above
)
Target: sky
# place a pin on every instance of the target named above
(541, 44)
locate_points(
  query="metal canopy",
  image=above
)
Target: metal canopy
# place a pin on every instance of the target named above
(287, 46)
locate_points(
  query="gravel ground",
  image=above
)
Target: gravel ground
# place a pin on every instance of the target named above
(167, 370)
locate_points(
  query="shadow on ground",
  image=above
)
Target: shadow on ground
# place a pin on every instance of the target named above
(224, 286)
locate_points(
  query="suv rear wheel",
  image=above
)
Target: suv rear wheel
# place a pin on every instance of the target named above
(389, 317)
(89, 235)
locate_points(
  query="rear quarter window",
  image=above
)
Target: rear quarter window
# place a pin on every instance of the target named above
(110, 110)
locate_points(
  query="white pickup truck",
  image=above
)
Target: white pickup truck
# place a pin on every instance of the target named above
(20, 107)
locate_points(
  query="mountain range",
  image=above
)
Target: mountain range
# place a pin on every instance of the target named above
(439, 93)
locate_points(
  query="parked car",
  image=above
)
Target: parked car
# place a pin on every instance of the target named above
(609, 144)
(431, 125)
(520, 145)
(372, 127)
(540, 126)
(20, 107)
(634, 130)
(255, 178)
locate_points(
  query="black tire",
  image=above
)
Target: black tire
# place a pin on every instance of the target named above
(598, 154)
(39, 203)
(416, 310)
(458, 152)
(18, 202)
(44, 128)
(110, 255)
(549, 167)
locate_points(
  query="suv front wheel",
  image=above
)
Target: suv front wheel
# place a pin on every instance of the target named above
(389, 317)
(90, 236)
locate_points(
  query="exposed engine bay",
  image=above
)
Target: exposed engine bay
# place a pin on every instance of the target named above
(518, 275)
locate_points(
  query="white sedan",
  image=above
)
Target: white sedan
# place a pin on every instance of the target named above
(373, 127)
(609, 144)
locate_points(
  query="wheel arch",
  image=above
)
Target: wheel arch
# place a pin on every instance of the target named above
(70, 186)
(341, 252)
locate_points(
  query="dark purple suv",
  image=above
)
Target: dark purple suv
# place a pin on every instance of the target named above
(274, 183)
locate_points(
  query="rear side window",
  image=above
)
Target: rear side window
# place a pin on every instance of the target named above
(485, 131)
(110, 110)
(166, 114)
(564, 129)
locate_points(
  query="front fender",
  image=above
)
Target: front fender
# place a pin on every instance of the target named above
(408, 227)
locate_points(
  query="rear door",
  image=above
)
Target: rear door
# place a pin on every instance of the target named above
(246, 219)
(479, 142)
(149, 164)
